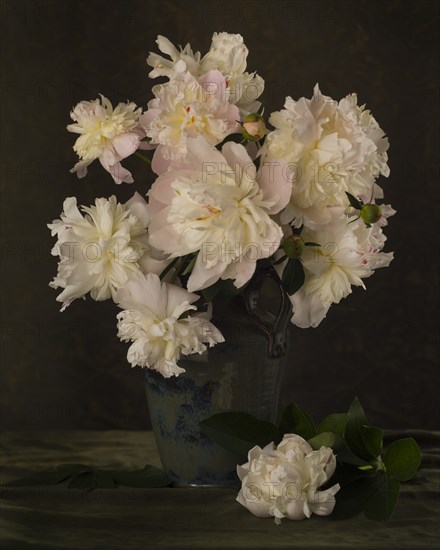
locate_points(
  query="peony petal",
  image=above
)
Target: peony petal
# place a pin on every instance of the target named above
(295, 509)
(138, 206)
(242, 471)
(167, 47)
(162, 235)
(241, 272)
(275, 180)
(214, 85)
(120, 174)
(159, 164)
(324, 501)
(203, 277)
(200, 154)
(125, 144)
(308, 310)
(146, 291)
(147, 117)
(177, 296)
(148, 264)
(239, 160)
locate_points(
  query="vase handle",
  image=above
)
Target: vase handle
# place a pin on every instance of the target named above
(275, 328)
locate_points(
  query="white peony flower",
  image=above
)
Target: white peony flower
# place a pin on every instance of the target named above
(227, 54)
(348, 253)
(107, 134)
(284, 482)
(216, 208)
(324, 149)
(184, 109)
(154, 320)
(100, 249)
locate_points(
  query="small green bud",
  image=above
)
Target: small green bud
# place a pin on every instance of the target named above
(371, 213)
(253, 127)
(293, 246)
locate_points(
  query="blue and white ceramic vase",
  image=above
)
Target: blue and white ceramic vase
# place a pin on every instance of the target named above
(242, 374)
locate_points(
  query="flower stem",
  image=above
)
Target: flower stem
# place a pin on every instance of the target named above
(143, 157)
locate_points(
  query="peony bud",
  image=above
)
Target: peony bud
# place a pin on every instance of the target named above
(371, 213)
(253, 127)
(293, 246)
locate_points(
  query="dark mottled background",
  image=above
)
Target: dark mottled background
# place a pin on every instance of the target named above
(69, 370)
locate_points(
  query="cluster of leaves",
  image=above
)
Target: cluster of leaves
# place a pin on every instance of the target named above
(369, 477)
(80, 476)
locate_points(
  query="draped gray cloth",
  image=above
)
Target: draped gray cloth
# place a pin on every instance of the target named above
(126, 518)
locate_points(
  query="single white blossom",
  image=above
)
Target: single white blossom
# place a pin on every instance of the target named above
(348, 253)
(227, 54)
(154, 320)
(107, 134)
(324, 149)
(101, 247)
(215, 208)
(284, 482)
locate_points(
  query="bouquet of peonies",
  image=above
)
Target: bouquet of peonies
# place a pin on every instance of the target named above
(231, 197)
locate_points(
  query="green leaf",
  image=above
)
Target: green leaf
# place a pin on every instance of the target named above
(168, 268)
(324, 439)
(87, 477)
(93, 479)
(327, 439)
(294, 420)
(336, 442)
(237, 138)
(238, 432)
(280, 260)
(293, 276)
(148, 477)
(222, 288)
(353, 496)
(73, 469)
(402, 459)
(260, 109)
(190, 265)
(382, 503)
(348, 473)
(354, 202)
(49, 477)
(347, 456)
(334, 423)
(211, 292)
(364, 440)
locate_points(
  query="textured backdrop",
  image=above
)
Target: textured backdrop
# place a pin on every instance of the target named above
(69, 370)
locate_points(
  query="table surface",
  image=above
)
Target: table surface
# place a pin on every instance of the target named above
(57, 517)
